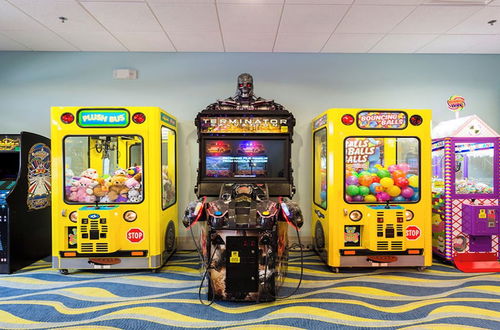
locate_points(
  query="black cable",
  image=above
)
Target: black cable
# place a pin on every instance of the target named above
(301, 268)
(203, 279)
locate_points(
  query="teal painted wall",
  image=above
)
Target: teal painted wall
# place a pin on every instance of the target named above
(184, 83)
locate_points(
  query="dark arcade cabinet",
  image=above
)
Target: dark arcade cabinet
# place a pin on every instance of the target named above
(24, 200)
(245, 169)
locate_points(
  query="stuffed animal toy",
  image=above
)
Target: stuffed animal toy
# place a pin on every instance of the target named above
(134, 196)
(82, 190)
(90, 173)
(134, 182)
(133, 170)
(117, 188)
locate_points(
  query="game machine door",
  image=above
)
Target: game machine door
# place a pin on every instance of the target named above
(25, 193)
(476, 182)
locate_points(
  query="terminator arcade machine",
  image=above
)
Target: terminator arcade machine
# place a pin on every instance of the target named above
(245, 151)
(24, 200)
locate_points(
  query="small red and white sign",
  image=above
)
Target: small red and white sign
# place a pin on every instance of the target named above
(413, 233)
(135, 235)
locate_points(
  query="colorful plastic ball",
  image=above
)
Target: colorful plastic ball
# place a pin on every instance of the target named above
(404, 167)
(323, 204)
(378, 166)
(398, 174)
(353, 190)
(375, 179)
(370, 199)
(383, 173)
(393, 191)
(407, 192)
(375, 188)
(401, 182)
(415, 197)
(358, 198)
(365, 180)
(383, 196)
(373, 170)
(413, 181)
(409, 175)
(386, 182)
(348, 198)
(399, 199)
(322, 195)
(364, 173)
(392, 168)
(363, 190)
(351, 180)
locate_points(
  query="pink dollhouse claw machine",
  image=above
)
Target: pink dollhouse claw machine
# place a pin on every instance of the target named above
(466, 191)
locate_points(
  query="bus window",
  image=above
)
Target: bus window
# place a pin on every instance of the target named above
(168, 167)
(320, 175)
(382, 169)
(93, 173)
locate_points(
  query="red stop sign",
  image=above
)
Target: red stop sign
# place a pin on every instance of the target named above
(135, 235)
(412, 232)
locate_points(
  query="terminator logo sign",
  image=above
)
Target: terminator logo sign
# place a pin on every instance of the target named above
(243, 125)
(382, 120)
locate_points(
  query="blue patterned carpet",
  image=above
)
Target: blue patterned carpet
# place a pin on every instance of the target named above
(440, 297)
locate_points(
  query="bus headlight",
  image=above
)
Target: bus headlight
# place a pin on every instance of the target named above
(409, 215)
(73, 216)
(355, 215)
(130, 216)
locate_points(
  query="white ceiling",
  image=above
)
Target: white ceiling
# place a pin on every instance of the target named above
(316, 26)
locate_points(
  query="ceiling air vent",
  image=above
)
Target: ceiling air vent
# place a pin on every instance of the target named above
(457, 2)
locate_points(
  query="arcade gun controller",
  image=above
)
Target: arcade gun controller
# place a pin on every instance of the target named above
(244, 241)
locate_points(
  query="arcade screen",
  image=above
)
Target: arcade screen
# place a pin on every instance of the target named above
(9, 169)
(238, 158)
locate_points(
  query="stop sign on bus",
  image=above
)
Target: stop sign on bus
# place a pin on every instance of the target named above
(135, 235)
(412, 232)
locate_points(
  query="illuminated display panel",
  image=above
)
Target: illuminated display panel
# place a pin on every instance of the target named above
(239, 158)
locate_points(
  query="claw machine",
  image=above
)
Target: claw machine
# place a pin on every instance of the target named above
(371, 187)
(114, 188)
(466, 193)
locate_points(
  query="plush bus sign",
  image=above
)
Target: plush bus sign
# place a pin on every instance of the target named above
(103, 118)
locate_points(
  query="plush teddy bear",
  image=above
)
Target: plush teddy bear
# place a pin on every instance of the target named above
(82, 190)
(90, 173)
(117, 190)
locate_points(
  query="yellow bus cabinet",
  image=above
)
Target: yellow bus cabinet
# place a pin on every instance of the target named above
(114, 187)
(372, 188)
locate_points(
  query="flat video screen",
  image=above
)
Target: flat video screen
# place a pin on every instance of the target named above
(238, 158)
(10, 166)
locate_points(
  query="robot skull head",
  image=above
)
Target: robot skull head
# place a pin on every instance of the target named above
(245, 86)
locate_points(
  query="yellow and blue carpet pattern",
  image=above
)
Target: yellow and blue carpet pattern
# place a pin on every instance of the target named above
(440, 297)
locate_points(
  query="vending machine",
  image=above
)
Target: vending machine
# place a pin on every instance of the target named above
(25, 200)
(371, 187)
(115, 187)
